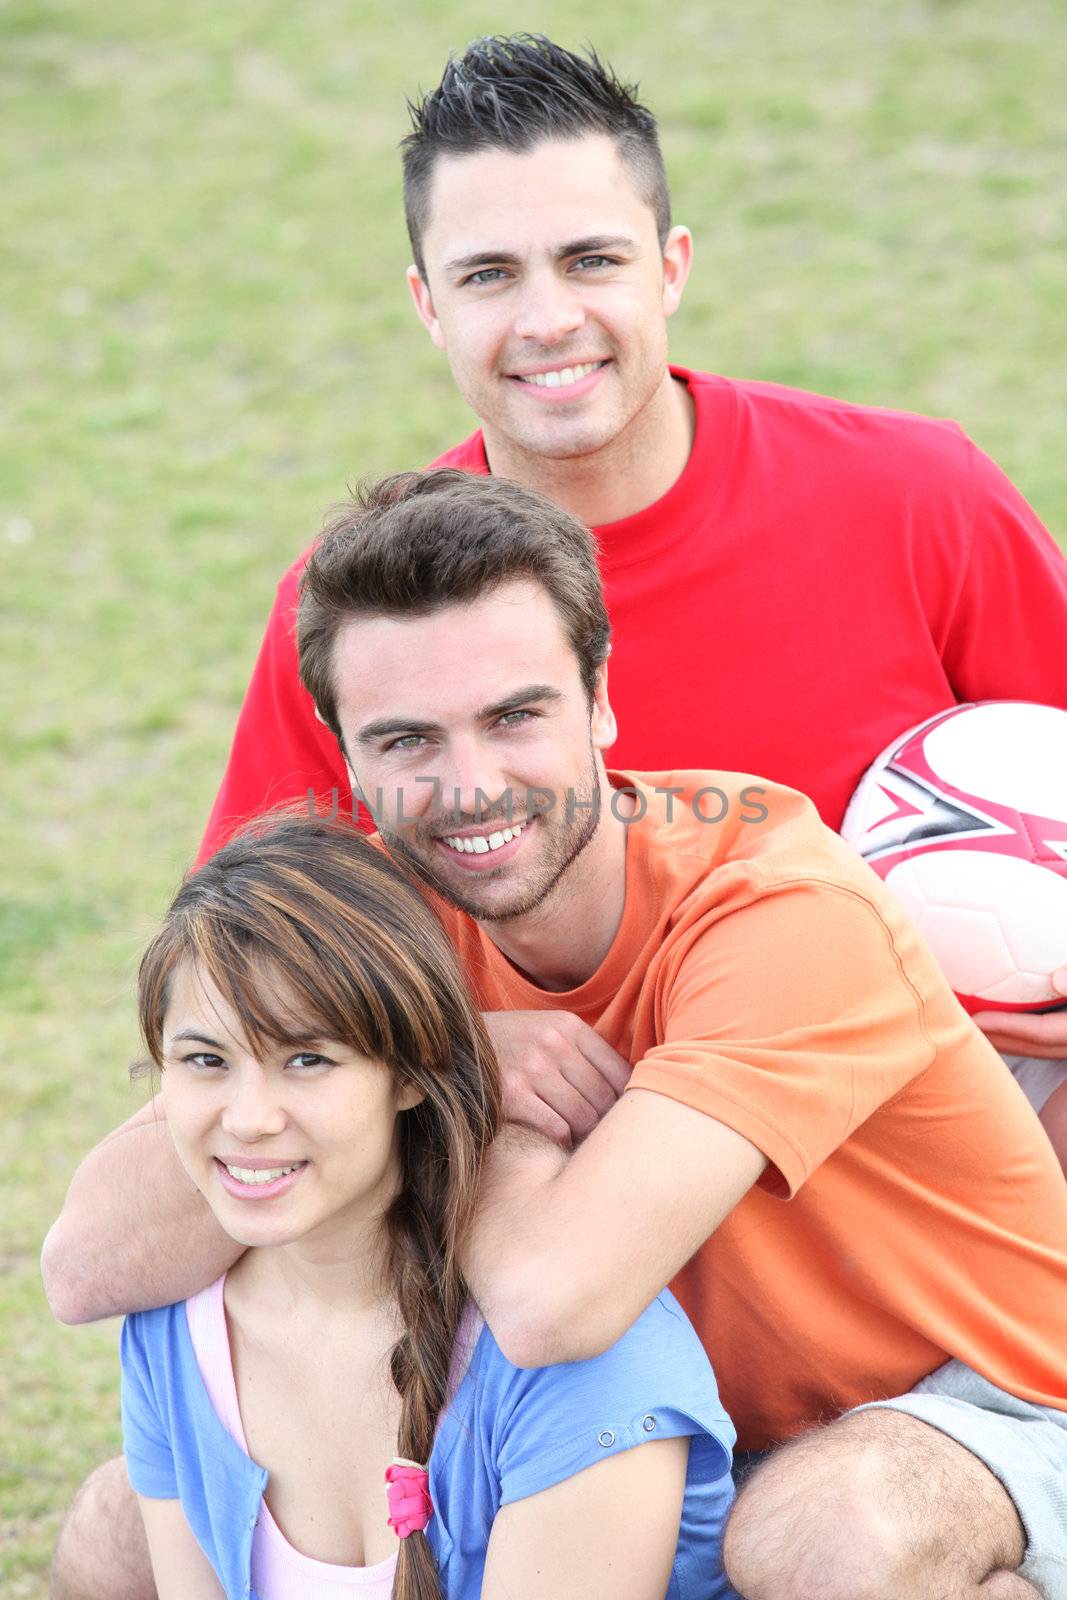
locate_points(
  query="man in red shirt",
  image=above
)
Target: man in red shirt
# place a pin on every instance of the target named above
(792, 581)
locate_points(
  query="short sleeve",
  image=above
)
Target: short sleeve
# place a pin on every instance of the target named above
(655, 1383)
(280, 750)
(145, 1439)
(792, 1019)
(1006, 636)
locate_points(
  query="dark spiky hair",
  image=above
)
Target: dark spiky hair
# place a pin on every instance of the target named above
(514, 92)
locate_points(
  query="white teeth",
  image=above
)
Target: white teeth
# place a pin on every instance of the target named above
(562, 377)
(477, 845)
(255, 1175)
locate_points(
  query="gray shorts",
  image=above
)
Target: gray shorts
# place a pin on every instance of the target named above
(1035, 1077)
(1023, 1445)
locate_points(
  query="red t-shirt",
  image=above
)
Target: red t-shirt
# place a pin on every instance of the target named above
(821, 577)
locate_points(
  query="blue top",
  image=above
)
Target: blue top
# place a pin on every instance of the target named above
(508, 1433)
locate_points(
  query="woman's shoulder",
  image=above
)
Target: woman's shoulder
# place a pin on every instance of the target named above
(152, 1329)
(662, 1328)
(658, 1366)
(535, 1426)
(164, 1337)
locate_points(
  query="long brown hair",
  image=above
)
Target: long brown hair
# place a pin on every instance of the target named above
(307, 908)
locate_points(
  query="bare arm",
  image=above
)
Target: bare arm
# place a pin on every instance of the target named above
(134, 1231)
(181, 1569)
(610, 1530)
(565, 1254)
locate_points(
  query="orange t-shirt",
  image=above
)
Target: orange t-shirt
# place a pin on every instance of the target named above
(913, 1208)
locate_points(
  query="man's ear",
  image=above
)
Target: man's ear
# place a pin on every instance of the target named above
(602, 727)
(340, 745)
(420, 293)
(677, 260)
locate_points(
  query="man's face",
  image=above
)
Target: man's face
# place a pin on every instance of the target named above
(470, 735)
(548, 291)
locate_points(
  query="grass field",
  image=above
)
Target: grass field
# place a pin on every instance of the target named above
(205, 333)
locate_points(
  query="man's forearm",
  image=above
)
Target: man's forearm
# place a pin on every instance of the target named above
(496, 1258)
(565, 1253)
(134, 1231)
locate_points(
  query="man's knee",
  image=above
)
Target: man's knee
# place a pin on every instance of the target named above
(803, 1526)
(874, 1507)
(101, 1553)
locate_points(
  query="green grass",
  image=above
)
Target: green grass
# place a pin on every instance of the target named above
(205, 333)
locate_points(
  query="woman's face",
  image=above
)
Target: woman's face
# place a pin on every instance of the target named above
(283, 1143)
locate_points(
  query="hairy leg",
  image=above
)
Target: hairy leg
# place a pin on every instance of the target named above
(101, 1553)
(877, 1506)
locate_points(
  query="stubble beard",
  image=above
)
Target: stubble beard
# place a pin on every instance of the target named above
(563, 846)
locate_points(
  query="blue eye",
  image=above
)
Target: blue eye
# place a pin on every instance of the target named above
(485, 275)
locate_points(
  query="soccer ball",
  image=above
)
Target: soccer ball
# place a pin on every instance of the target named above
(965, 817)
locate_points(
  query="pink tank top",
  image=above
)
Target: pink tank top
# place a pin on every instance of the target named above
(278, 1571)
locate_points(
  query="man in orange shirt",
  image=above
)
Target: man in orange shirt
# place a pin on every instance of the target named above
(793, 1041)
(816, 1147)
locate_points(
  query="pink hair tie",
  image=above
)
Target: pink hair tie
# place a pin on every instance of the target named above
(407, 1488)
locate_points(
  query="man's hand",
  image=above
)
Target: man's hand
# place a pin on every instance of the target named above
(559, 1076)
(1029, 1033)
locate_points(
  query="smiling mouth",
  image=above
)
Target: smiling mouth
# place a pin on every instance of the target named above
(478, 844)
(255, 1176)
(562, 377)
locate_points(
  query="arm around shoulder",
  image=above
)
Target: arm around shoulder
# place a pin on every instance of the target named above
(134, 1231)
(565, 1255)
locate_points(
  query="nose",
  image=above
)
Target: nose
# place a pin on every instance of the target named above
(473, 786)
(253, 1108)
(550, 309)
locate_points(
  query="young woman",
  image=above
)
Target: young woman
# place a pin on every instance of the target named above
(331, 1091)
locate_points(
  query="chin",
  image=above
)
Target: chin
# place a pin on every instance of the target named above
(256, 1231)
(262, 1238)
(553, 446)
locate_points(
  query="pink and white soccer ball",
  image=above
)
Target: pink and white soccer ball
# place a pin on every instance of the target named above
(965, 817)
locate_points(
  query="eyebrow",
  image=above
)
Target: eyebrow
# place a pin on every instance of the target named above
(190, 1035)
(593, 245)
(542, 692)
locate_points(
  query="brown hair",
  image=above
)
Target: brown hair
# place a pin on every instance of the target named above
(515, 92)
(420, 540)
(307, 908)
